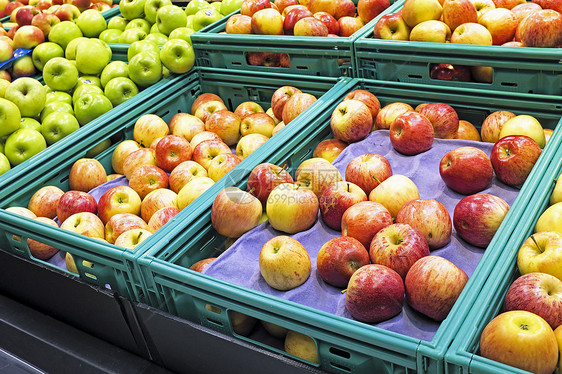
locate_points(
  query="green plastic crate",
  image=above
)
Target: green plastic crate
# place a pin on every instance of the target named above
(463, 355)
(114, 266)
(344, 345)
(324, 56)
(516, 69)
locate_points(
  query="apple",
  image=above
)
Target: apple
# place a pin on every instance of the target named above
(556, 195)
(59, 73)
(177, 55)
(45, 52)
(235, 212)
(147, 178)
(183, 33)
(310, 26)
(501, 23)
(10, 116)
(430, 217)
(367, 10)
(330, 22)
(329, 149)
(264, 178)
(149, 127)
(346, 8)
(267, 21)
(120, 89)
(278, 128)
(132, 238)
(416, 11)
(120, 223)
(151, 7)
(322, 6)
(23, 144)
(257, 123)
(44, 201)
(368, 171)
(203, 136)
(90, 106)
(185, 125)
(6, 51)
(550, 219)
(28, 94)
(72, 202)
(120, 153)
(222, 164)
(275, 330)
(316, 174)
(388, 114)
(534, 32)
(292, 16)
(491, 127)
(84, 223)
(206, 108)
(457, 12)
(374, 294)
(471, 33)
(207, 96)
(118, 199)
(246, 108)
(280, 98)
(363, 220)
(466, 170)
(460, 73)
(183, 173)
(443, 118)
(170, 17)
(523, 10)
(40, 250)
(249, 143)
(394, 192)
(172, 150)
(349, 25)
(205, 17)
(28, 37)
(391, 26)
(467, 131)
(238, 24)
(192, 190)
(533, 345)
(24, 15)
(477, 217)
(21, 211)
(301, 345)
(541, 253)
(86, 174)
(335, 200)
(284, 263)
(161, 217)
(156, 200)
(204, 152)
(351, 121)
(547, 134)
(513, 158)
(411, 133)
(524, 125)
(225, 124)
(339, 258)
(297, 104)
(145, 69)
(291, 208)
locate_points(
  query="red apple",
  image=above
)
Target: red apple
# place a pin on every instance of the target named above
(264, 178)
(24, 15)
(368, 99)
(257, 123)
(477, 218)
(523, 10)
(205, 151)
(344, 8)
(391, 26)
(491, 127)
(121, 222)
(430, 217)
(388, 114)
(201, 264)
(86, 174)
(542, 28)
(310, 26)
(235, 211)
(120, 153)
(374, 294)
(148, 178)
(466, 170)
(161, 217)
(183, 173)
(501, 23)
(329, 149)
(339, 258)
(467, 131)
(202, 136)
(351, 121)
(411, 133)
(349, 25)
(282, 4)
(85, 223)
(369, 9)
(363, 220)
(297, 104)
(280, 98)
(40, 250)
(118, 199)
(156, 200)
(449, 72)
(186, 125)
(248, 107)
(72, 202)
(207, 96)
(249, 7)
(44, 201)
(292, 17)
(513, 158)
(226, 125)
(206, 108)
(368, 171)
(330, 22)
(238, 24)
(335, 200)
(443, 118)
(135, 159)
(316, 174)
(328, 6)
(457, 12)
(171, 151)
(267, 21)
(45, 21)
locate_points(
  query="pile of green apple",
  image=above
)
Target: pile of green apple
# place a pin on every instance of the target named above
(160, 20)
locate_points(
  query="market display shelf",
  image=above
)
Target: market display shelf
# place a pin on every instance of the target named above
(322, 56)
(109, 266)
(515, 69)
(463, 355)
(344, 345)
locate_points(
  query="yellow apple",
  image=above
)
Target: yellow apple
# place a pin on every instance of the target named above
(524, 125)
(550, 219)
(556, 196)
(301, 345)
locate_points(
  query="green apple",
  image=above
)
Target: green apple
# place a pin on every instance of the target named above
(23, 144)
(165, 72)
(139, 23)
(117, 23)
(170, 17)
(56, 107)
(183, 33)
(57, 125)
(229, 6)
(205, 17)
(110, 35)
(113, 70)
(4, 163)
(158, 37)
(189, 23)
(82, 90)
(142, 46)
(178, 56)
(154, 29)
(151, 8)
(62, 33)
(70, 50)
(98, 148)
(3, 85)
(3, 142)
(196, 5)
(120, 89)
(131, 9)
(30, 123)
(60, 74)
(88, 79)
(92, 56)
(217, 6)
(28, 94)
(145, 69)
(90, 106)
(10, 117)
(131, 35)
(91, 23)
(58, 96)
(44, 52)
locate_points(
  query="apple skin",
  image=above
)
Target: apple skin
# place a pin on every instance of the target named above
(524, 125)
(44, 201)
(374, 294)
(329, 149)
(72, 202)
(443, 118)
(204, 152)
(225, 124)
(533, 345)
(394, 192)
(192, 190)
(416, 11)
(118, 199)
(297, 104)
(135, 159)
(542, 28)
(248, 107)
(84, 223)
(291, 209)
(335, 200)
(467, 131)
(411, 133)
(292, 17)
(249, 7)
(431, 31)
(391, 26)
(280, 98)
(121, 222)
(132, 238)
(257, 123)
(369, 9)
(491, 127)
(398, 246)
(501, 23)
(363, 220)
(264, 178)
(471, 33)
(149, 127)
(284, 263)
(238, 24)
(351, 121)
(513, 158)
(466, 170)
(477, 217)
(235, 211)
(430, 217)
(457, 12)
(201, 264)
(541, 252)
(538, 293)
(161, 217)
(349, 25)
(207, 96)
(171, 151)
(368, 171)
(523, 10)
(221, 165)
(249, 143)
(155, 200)
(202, 136)
(86, 174)
(267, 21)
(147, 178)
(339, 258)
(121, 152)
(388, 114)
(433, 285)
(183, 173)
(330, 22)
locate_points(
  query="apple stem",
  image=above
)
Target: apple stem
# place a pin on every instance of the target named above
(534, 241)
(344, 291)
(524, 327)
(376, 179)
(252, 190)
